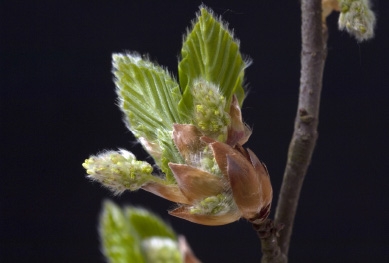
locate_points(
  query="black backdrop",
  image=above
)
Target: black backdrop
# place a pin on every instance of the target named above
(58, 107)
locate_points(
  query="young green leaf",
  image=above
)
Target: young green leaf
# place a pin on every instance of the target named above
(148, 224)
(148, 92)
(149, 96)
(210, 52)
(134, 235)
(120, 242)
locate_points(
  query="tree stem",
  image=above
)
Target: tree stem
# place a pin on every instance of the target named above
(268, 233)
(301, 147)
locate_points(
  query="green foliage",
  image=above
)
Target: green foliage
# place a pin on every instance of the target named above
(147, 224)
(211, 74)
(211, 53)
(153, 101)
(149, 97)
(148, 93)
(134, 235)
(119, 239)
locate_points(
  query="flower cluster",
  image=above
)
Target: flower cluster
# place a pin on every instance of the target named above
(357, 18)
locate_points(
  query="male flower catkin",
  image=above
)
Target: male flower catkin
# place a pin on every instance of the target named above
(209, 115)
(118, 171)
(357, 18)
(193, 130)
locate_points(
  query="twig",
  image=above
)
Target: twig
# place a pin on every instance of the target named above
(313, 56)
(268, 233)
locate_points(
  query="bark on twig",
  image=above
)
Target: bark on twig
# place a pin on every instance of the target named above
(268, 233)
(313, 56)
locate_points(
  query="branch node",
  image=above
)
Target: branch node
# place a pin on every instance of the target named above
(305, 117)
(268, 232)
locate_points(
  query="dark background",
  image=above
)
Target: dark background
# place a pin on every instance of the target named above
(58, 107)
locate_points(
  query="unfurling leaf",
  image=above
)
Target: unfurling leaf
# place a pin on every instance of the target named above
(119, 240)
(210, 52)
(147, 224)
(135, 235)
(149, 96)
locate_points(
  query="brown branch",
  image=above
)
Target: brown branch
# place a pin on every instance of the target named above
(313, 56)
(268, 233)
